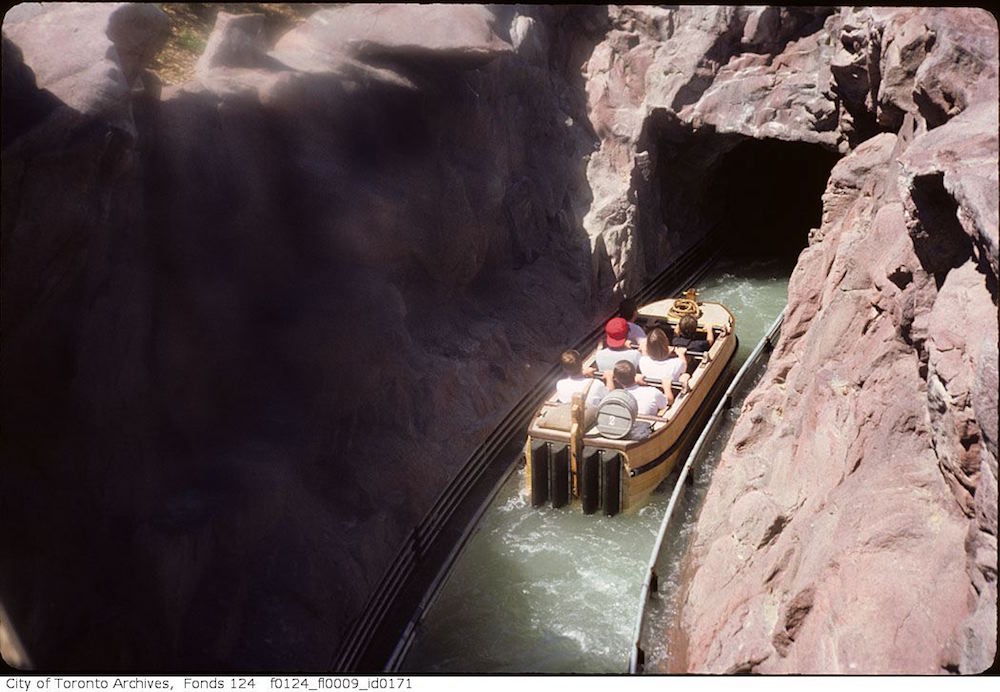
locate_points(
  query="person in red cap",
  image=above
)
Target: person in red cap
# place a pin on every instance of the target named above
(616, 349)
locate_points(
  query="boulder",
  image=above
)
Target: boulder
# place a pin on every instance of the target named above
(101, 50)
(907, 41)
(237, 41)
(784, 96)
(950, 161)
(462, 34)
(961, 67)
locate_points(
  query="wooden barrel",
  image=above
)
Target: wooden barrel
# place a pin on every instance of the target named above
(616, 414)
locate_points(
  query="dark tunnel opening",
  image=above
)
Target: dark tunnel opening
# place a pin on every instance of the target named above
(764, 196)
(759, 198)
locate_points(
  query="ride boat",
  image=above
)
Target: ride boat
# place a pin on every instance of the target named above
(575, 451)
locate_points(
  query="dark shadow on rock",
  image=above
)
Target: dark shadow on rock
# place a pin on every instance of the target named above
(939, 241)
(24, 104)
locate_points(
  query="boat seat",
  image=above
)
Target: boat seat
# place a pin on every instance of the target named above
(694, 360)
(650, 323)
(660, 417)
(656, 382)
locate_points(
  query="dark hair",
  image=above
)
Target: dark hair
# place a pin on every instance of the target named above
(687, 326)
(627, 308)
(624, 374)
(657, 345)
(571, 362)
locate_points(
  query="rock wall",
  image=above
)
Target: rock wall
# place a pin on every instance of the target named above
(253, 324)
(851, 523)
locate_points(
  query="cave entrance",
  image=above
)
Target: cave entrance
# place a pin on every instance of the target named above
(758, 197)
(763, 196)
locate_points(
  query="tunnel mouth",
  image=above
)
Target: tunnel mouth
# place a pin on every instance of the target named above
(767, 195)
(757, 198)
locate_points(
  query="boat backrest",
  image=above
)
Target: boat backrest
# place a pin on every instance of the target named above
(694, 359)
(648, 323)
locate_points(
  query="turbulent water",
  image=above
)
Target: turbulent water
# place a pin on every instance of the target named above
(555, 591)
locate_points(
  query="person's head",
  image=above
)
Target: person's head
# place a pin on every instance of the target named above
(624, 374)
(571, 363)
(628, 309)
(615, 332)
(657, 345)
(688, 326)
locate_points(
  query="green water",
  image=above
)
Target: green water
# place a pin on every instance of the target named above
(555, 591)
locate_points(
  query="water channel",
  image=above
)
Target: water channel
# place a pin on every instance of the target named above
(553, 590)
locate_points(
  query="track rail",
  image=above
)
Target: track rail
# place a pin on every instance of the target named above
(379, 636)
(747, 371)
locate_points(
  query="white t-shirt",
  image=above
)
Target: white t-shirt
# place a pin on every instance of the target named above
(649, 399)
(568, 386)
(635, 333)
(668, 370)
(606, 358)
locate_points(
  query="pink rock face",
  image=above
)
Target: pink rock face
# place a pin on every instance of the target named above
(462, 32)
(851, 523)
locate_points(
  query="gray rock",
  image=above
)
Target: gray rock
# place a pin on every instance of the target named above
(102, 47)
(461, 34)
(237, 41)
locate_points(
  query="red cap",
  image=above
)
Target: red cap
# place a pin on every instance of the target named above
(615, 332)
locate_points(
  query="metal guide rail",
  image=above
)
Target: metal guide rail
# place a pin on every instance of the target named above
(379, 636)
(757, 359)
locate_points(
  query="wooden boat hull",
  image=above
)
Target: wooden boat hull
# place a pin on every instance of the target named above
(618, 475)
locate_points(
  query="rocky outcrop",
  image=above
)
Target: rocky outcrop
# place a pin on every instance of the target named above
(851, 523)
(664, 75)
(469, 34)
(269, 312)
(93, 69)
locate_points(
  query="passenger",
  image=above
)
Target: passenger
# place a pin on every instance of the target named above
(576, 380)
(628, 310)
(660, 361)
(615, 339)
(686, 337)
(649, 399)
